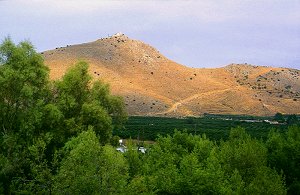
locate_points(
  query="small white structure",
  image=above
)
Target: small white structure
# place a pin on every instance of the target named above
(272, 122)
(142, 149)
(122, 148)
(118, 34)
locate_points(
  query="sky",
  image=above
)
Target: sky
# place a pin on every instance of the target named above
(195, 33)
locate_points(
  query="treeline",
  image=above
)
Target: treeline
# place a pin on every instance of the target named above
(215, 128)
(56, 138)
(188, 164)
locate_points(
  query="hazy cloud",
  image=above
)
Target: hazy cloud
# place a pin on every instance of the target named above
(195, 33)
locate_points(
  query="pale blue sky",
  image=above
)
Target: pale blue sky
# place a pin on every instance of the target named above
(203, 33)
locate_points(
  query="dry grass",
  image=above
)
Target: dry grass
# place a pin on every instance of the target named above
(151, 84)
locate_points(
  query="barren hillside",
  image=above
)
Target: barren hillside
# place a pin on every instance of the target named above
(151, 84)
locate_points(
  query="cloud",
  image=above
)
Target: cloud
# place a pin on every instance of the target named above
(179, 28)
(68, 6)
(203, 12)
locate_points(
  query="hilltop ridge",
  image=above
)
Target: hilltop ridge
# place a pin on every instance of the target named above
(151, 84)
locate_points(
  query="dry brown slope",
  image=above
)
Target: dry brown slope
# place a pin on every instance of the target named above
(151, 84)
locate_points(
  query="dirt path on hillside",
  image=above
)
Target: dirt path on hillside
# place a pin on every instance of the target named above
(175, 106)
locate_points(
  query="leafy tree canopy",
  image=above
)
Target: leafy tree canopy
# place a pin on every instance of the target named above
(38, 116)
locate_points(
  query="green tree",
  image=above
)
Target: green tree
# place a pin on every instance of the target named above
(88, 168)
(140, 185)
(248, 157)
(184, 164)
(279, 117)
(284, 155)
(134, 159)
(24, 88)
(84, 103)
(38, 116)
(73, 90)
(206, 177)
(39, 179)
(23, 96)
(113, 104)
(266, 181)
(292, 119)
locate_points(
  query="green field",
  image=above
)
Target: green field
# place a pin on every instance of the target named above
(215, 127)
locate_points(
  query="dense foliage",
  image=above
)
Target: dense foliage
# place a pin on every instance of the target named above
(216, 127)
(56, 138)
(38, 116)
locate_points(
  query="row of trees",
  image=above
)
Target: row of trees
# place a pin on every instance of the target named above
(55, 139)
(289, 119)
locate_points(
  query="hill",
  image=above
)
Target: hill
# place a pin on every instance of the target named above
(153, 85)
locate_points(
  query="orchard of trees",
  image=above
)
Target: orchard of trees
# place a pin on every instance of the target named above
(56, 138)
